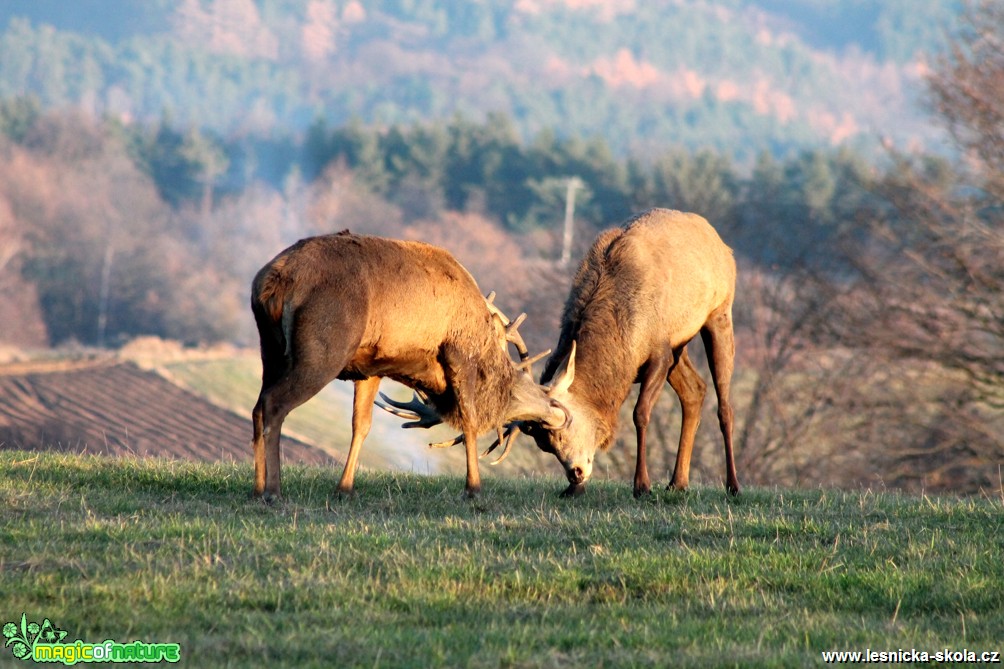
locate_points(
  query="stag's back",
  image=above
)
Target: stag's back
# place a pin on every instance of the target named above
(683, 271)
(656, 277)
(395, 295)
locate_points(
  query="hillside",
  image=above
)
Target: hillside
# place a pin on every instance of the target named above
(735, 76)
(154, 154)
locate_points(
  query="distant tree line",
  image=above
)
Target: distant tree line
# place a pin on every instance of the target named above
(462, 165)
(183, 187)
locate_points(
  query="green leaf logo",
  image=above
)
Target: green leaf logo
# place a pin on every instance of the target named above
(21, 638)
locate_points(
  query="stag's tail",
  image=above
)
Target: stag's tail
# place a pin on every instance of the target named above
(271, 296)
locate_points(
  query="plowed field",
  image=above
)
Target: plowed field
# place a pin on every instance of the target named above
(115, 408)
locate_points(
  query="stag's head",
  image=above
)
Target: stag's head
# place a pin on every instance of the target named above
(575, 443)
(526, 403)
(530, 405)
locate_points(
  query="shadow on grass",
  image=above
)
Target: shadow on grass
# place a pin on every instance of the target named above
(125, 485)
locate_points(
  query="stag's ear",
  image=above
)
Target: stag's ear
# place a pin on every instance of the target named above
(565, 374)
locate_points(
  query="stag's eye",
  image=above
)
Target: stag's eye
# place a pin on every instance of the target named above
(543, 439)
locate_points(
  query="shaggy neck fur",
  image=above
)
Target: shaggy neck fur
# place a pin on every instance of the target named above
(600, 316)
(488, 384)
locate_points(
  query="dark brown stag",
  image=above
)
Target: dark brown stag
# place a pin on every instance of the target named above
(360, 308)
(644, 290)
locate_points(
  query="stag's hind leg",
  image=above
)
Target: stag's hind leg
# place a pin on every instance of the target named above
(274, 404)
(362, 418)
(691, 388)
(296, 365)
(302, 373)
(719, 342)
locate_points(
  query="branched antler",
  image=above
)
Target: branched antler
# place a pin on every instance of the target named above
(527, 365)
(419, 410)
(507, 437)
(513, 336)
(421, 413)
(459, 439)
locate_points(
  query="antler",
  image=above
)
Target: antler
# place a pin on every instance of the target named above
(419, 410)
(507, 437)
(513, 336)
(511, 430)
(459, 439)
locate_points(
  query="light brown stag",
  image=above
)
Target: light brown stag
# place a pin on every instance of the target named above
(360, 308)
(644, 290)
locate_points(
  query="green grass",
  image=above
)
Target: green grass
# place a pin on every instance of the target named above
(407, 574)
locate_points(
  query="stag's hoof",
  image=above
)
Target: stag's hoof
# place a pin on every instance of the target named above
(733, 489)
(676, 487)
(573, 490)
(344, 493)
(642, 491)
(471, 493)
(267, 498)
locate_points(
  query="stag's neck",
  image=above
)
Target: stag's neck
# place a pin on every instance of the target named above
(604, 365)
(488, 388)
(493, 387)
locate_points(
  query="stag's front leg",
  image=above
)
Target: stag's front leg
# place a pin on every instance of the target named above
(362, 419)
(473, 485)
(691, 388)
(461, 376)
(653, 378)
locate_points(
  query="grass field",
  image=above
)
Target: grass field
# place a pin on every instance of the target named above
(407, 574)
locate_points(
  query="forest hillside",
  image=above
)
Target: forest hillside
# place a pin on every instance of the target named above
(735, 76)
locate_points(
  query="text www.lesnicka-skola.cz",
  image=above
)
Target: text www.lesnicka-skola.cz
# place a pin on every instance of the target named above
(944, 656)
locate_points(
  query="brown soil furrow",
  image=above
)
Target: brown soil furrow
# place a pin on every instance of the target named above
(120, 389)
(22, 399)
(80, 398)
(121, 409)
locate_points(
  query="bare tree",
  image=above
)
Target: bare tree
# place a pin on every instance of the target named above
(967, 91)
(928, 299)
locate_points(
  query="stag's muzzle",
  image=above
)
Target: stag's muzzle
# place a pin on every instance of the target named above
(578, 473)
